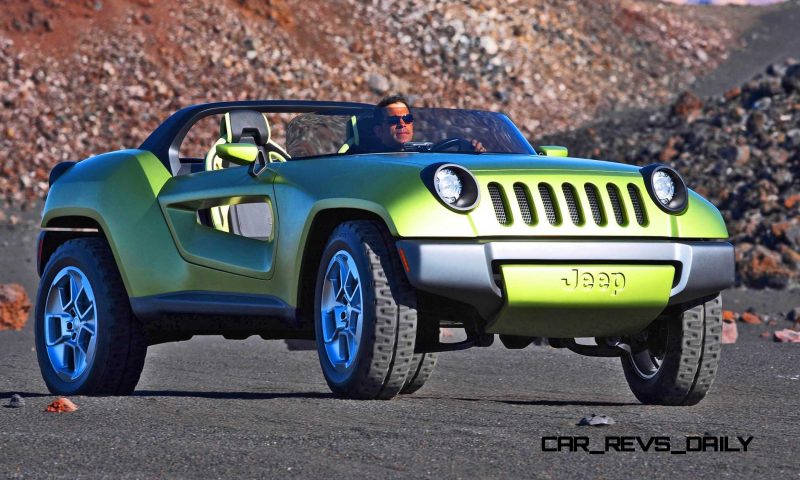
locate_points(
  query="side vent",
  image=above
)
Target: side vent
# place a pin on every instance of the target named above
(575, 212)
(616, 204)
(593, 195)
(499, 204)
(524, 201)
(550, 208)
(638, 206)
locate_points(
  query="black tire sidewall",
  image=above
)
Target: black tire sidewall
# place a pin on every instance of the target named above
(70, 254)
(345, 240)
(649, 390)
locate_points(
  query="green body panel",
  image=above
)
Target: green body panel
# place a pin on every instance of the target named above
(118, 190)
(150, 217)
(183, 196)
(581, 300)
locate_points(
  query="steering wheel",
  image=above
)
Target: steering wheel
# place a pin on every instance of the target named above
(464, 145)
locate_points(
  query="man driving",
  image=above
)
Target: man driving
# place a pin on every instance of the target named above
(394, 124)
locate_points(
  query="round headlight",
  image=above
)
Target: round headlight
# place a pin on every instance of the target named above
(663, 187)
(666, 188)
(448, 185)
(453, 185)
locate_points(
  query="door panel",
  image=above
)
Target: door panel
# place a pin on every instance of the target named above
(249, 248)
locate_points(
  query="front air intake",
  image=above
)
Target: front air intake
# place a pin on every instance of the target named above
(550, 208)
(499, 204)
(525, 203)
(595, 206)
(638, 205)
(575, 212)
(616, 204)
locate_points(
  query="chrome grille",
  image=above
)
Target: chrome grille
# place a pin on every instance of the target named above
(638, 206)
(594, 204)
(616, 204)
(524, 201)
(550, 208)
(575, 212)
(499, 204)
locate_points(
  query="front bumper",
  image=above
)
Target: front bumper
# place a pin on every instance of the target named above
(471, 272)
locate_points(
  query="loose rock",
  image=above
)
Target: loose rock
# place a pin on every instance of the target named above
(596, 421)
(787, 336)
(730, 332)
(16, 401)
(61, 405)
(751, 318)
(14, 307)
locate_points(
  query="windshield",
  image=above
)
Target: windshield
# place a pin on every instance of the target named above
(420, 130)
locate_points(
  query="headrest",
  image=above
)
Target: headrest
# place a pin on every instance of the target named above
(244, 126)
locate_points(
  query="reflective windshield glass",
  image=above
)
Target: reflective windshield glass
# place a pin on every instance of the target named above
(417, 130)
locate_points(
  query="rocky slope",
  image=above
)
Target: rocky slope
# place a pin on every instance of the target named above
(81, 77)
(740, 150)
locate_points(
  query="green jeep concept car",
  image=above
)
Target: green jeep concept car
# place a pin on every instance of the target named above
(295, 220)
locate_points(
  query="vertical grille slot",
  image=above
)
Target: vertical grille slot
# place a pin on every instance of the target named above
(594, 204)
(616, 204)
(524, 201)
(575, 212)
(499, 204)
(550, 208)
(638, 205)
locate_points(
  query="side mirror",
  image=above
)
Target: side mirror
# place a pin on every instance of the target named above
(238, 153)
(553, 151)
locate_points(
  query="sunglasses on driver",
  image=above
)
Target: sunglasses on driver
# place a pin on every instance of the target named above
(395, 119)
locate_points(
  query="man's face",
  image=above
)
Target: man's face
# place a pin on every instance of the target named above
(394, 130)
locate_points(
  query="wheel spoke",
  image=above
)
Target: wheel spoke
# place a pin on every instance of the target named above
(355, 319)
(83, 304)
(74, 290)
(352, 344)
(64, 288)
(59, 341)
(84, 339)
(341, 292)
(89, 327)
(353, 289)
(344, 347)
(69, 358)
(329, 328)
(355, 299)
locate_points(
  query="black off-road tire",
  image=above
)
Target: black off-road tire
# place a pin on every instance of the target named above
(121, 341)
(386, 348)
(422, 366)
(689, 365)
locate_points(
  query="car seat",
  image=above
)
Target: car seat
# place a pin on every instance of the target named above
(360, 137)
(241, 126)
